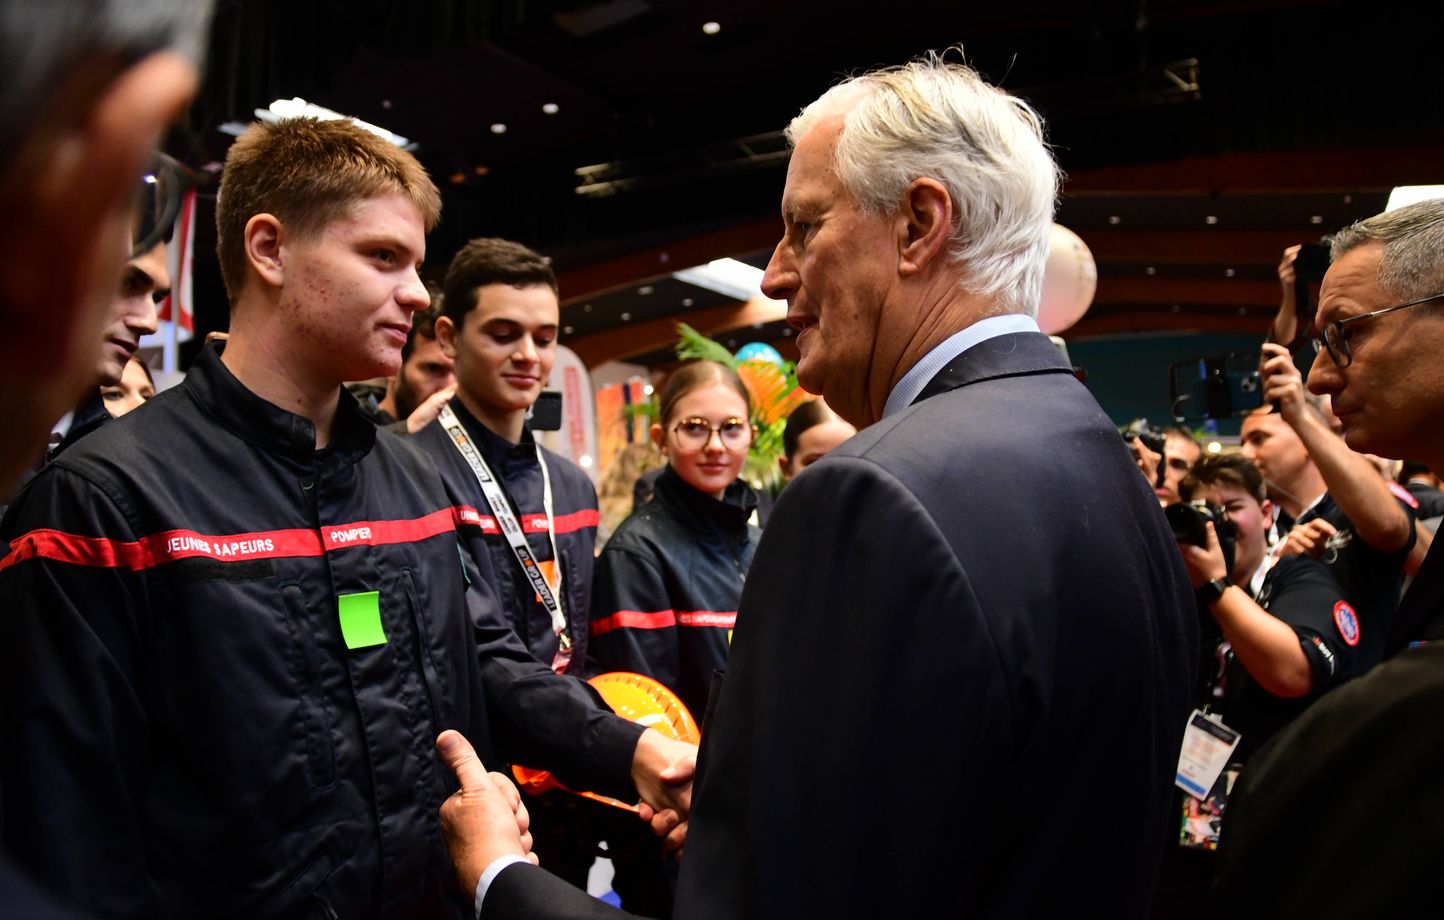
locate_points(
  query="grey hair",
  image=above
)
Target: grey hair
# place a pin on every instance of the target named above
(1413, 238)
(930, 118)
(58, 56)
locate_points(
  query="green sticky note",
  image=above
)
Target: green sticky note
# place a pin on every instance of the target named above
(361, 619)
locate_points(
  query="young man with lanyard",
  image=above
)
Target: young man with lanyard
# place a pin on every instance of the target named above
(1276, 634)
(529, 517)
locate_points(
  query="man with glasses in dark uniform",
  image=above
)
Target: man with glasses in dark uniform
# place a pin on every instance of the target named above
(1341, 815)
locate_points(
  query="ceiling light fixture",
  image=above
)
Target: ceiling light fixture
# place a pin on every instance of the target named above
(551, 108)
(711, 28)
(735, 279)
(498, 128)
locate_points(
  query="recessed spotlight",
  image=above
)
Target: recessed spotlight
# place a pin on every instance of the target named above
(645, 289)
(731, 343)
(1211, 219)
(1243, 311)
(481, 170)
(386, 104)
(551, 108)
(586, 308)
(687, 301)
(711, 28)
(626, 317)
(458, 178)
(498, 128)
(1114, 220)
(1229, 273)
(1175, 309)
(1316, 219)
(568, 330)
(787, 331)
(1150, 270)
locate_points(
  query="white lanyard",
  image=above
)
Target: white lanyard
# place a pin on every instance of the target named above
(492, 491)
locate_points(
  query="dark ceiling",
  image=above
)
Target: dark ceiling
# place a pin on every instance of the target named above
(1199, 137)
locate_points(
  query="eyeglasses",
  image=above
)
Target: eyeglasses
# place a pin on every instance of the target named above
(696, 433)
(1335, 337)
(156, 201)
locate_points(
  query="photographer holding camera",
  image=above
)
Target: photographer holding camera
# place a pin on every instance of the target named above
(1275, 634)
(1282, 632)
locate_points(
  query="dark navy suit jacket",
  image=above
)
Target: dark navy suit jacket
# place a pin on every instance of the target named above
(960, 674)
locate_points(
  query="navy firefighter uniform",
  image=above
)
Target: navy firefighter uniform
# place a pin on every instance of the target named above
(668, 583)
(228, 655)
(574, 527)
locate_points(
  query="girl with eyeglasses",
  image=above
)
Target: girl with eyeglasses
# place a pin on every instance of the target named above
(665, 592)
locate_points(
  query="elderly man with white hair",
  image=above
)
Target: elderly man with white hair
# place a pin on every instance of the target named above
(964, 655)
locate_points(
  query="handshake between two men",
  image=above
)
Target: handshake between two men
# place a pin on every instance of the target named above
(485, 821)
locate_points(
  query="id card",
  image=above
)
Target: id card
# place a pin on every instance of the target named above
(1207, 746)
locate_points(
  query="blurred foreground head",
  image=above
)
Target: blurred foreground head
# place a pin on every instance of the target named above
(90, 87)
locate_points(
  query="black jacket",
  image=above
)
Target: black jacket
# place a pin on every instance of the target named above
(574, 513)
(194, 720)
(668, 582)
(940, 702)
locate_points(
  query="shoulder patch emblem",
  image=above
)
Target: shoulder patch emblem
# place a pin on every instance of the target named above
(1347, 621)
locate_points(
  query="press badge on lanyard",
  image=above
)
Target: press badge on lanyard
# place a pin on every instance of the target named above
(1207, 746)
(495, 497)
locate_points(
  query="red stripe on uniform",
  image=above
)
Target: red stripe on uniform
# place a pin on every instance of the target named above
(724, 619)
(661, 619)
(578, 520)
(172, 545)
(530, 523)
(634, 619)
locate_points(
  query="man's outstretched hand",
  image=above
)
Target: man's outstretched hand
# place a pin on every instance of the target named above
(485, 819)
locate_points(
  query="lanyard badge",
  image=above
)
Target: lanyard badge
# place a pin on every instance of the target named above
(511, 528)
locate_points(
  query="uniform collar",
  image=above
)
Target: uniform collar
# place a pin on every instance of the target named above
(498, 451)
(267, 425)
(727, 515)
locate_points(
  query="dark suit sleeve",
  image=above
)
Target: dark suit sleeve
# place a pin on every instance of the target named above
(73, 729)
(524, 892)
(861, 662)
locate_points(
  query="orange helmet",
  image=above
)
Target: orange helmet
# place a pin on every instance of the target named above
(635, 697)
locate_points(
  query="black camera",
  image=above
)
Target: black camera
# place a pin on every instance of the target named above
(1153, 438)
(546, 413)
(1221, 386)
(1189, 521)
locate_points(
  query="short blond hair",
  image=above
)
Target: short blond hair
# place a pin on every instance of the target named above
(307, 173)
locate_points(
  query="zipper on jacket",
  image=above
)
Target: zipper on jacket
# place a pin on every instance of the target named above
(308, 492)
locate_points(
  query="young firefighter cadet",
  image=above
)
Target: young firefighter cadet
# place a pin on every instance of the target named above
(499, 326)
(239, 618)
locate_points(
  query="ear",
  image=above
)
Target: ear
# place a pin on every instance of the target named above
(659, 438)
(446, 336)
(785, 466)
(924, 225)
(73, 201)
(1266, 508)
(263, 240)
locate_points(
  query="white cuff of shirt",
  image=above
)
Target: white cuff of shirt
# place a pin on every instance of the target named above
(489, 876)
